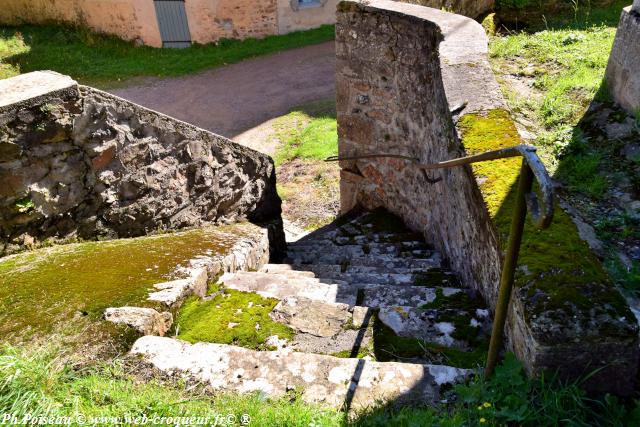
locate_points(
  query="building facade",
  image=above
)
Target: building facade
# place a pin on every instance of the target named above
(175, 23)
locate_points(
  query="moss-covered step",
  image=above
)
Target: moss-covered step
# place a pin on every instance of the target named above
(67, 288)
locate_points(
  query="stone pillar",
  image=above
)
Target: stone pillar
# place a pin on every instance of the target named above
(623, 70)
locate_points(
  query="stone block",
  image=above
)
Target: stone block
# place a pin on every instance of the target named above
(146, 321)
(623, 71)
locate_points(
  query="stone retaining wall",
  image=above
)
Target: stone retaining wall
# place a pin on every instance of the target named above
(623, 71)
(76, 162)
(401, 69)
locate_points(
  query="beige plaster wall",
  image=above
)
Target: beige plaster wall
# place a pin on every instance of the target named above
(127, 19)
(290, 19)
(211, 20)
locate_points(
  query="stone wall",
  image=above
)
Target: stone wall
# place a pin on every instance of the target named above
(212, 20)
(76, 162)
(471, 8)
(391, 99)
(623, 70)
(401, 69)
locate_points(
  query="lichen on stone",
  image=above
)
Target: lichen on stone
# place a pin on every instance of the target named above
(558, 279)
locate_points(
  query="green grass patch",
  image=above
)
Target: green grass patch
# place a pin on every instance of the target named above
(568, 68)
(102, 60)
(306, 137)
(232, 317)
(37, 383)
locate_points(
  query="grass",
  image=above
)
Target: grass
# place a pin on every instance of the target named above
(307, 135)
(41, 382)
(563, 58)
(102, 60)
(232, 317)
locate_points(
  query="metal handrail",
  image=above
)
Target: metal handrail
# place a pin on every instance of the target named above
(526, 200)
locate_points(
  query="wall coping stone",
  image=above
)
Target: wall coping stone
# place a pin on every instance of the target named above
(34, 88)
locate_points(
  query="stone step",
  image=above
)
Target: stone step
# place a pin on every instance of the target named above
(297, 284)
(326, 270)
(323, 327)
(280, 286)
(446, 327)
(359, 251)
(332, 381)
(372, 259)
(339, 244)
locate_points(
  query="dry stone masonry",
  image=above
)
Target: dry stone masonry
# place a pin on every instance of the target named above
(623, 71)
(407, 76)
(79, 163)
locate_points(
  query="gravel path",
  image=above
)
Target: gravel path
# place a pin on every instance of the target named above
(234, 99)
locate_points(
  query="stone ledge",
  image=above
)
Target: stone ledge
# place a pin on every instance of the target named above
(27, 90)
(320, 379)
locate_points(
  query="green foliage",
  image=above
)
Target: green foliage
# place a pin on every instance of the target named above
(40, 384)
(307, 135)
(581, 174)
(509, 398)
(570, 66)
(232, 317)
(555, 262)
(513, 4)
(24, 205)
(102, 60)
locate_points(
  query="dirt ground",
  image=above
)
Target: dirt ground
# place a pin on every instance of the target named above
(233, 99)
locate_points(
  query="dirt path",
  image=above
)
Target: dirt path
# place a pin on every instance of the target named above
(236, 98)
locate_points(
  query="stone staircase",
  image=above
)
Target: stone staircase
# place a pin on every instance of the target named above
(376, 314)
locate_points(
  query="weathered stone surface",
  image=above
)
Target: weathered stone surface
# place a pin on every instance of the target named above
(471, 8)
(320, 379)
(280, 286)
(91, 164)
(623, 70)
(417, 85)
(432, 326)
(312, 317)
(408, 296)
(35, 88)
(147, 321)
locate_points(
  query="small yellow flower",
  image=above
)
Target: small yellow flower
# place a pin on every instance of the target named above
(486, 405)
(479, 408)
(483, 420)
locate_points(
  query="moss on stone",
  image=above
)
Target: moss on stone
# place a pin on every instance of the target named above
(42, 290)
(387, 346)
(435, 277)
(558, 274)
(232, 317)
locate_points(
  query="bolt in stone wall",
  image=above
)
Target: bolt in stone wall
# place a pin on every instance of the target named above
(623, 70)
(78, 162)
